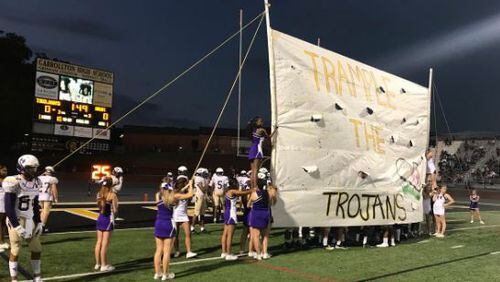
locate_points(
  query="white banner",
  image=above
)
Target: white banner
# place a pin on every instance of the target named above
(350, 142)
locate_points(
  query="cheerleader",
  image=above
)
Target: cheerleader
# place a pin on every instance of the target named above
(108, 208)
(230, 219)
(259, 218)
(181, 219)
(474, 206)
(165, 228)
(257, 134)
(442, 200)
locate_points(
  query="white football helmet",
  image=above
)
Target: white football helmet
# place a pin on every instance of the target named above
(50, 170)
(182, 170)
(263, 170)
(200, 171)
(261, 175)
(243, 172)
(219, 171)
(27, 165)
(117, 170)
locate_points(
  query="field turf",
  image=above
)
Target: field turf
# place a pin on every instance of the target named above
(470, 252)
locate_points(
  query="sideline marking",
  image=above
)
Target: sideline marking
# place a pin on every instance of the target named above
(96, 273)
(457, 247)
(422, 242)
(495, 253)
(475, 227)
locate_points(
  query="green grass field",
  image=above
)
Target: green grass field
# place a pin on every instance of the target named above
(468, 253)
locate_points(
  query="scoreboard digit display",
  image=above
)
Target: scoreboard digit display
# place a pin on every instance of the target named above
(72, 100)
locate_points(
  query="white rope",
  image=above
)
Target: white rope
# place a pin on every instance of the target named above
(165, 86)
(442, 111)
(228, 96)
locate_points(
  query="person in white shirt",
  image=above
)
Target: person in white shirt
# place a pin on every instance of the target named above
(48, 192)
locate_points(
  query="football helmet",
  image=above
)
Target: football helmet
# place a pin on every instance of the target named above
(182, 170)
(117, 170)
(27, 165)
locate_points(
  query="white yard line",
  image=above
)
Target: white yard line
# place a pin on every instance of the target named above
(495, 253)
(95, 273)
(93, 231)
(475, 227)
(457, 247)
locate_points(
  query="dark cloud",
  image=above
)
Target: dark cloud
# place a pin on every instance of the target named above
(79, 26)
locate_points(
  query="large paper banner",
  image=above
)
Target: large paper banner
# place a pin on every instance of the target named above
(350, 142)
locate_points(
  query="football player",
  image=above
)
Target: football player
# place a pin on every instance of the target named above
(47, 193)
(3, 245)
(200, 196)
(218, 184)
(117, 178)
(23, 214)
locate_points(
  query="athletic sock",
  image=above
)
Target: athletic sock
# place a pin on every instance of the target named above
(386, 240)
(325, 241)
(365, 240)
(35, 264)
(13, 268)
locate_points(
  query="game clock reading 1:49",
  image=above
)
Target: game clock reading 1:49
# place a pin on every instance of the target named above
(67, 112)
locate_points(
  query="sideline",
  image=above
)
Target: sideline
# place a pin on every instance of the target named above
(97, 273)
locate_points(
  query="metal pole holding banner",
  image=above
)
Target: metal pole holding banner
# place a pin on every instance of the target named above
(238, 144)
(272, 84)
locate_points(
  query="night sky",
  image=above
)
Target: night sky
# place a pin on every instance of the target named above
(147, 43)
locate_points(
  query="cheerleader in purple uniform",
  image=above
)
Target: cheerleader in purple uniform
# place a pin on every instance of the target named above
(246, 210)
(259, 218)
(165, 228)
(230, 219)
(258, 134)
(108, 207)
(474, 206)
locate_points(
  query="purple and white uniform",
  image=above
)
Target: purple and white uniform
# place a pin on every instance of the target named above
(255, 151)
(230, 217)
(474, 202)
(260, 214)
(104, 222)
(164, 224)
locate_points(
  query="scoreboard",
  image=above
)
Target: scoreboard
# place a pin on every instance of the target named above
(72, 101)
